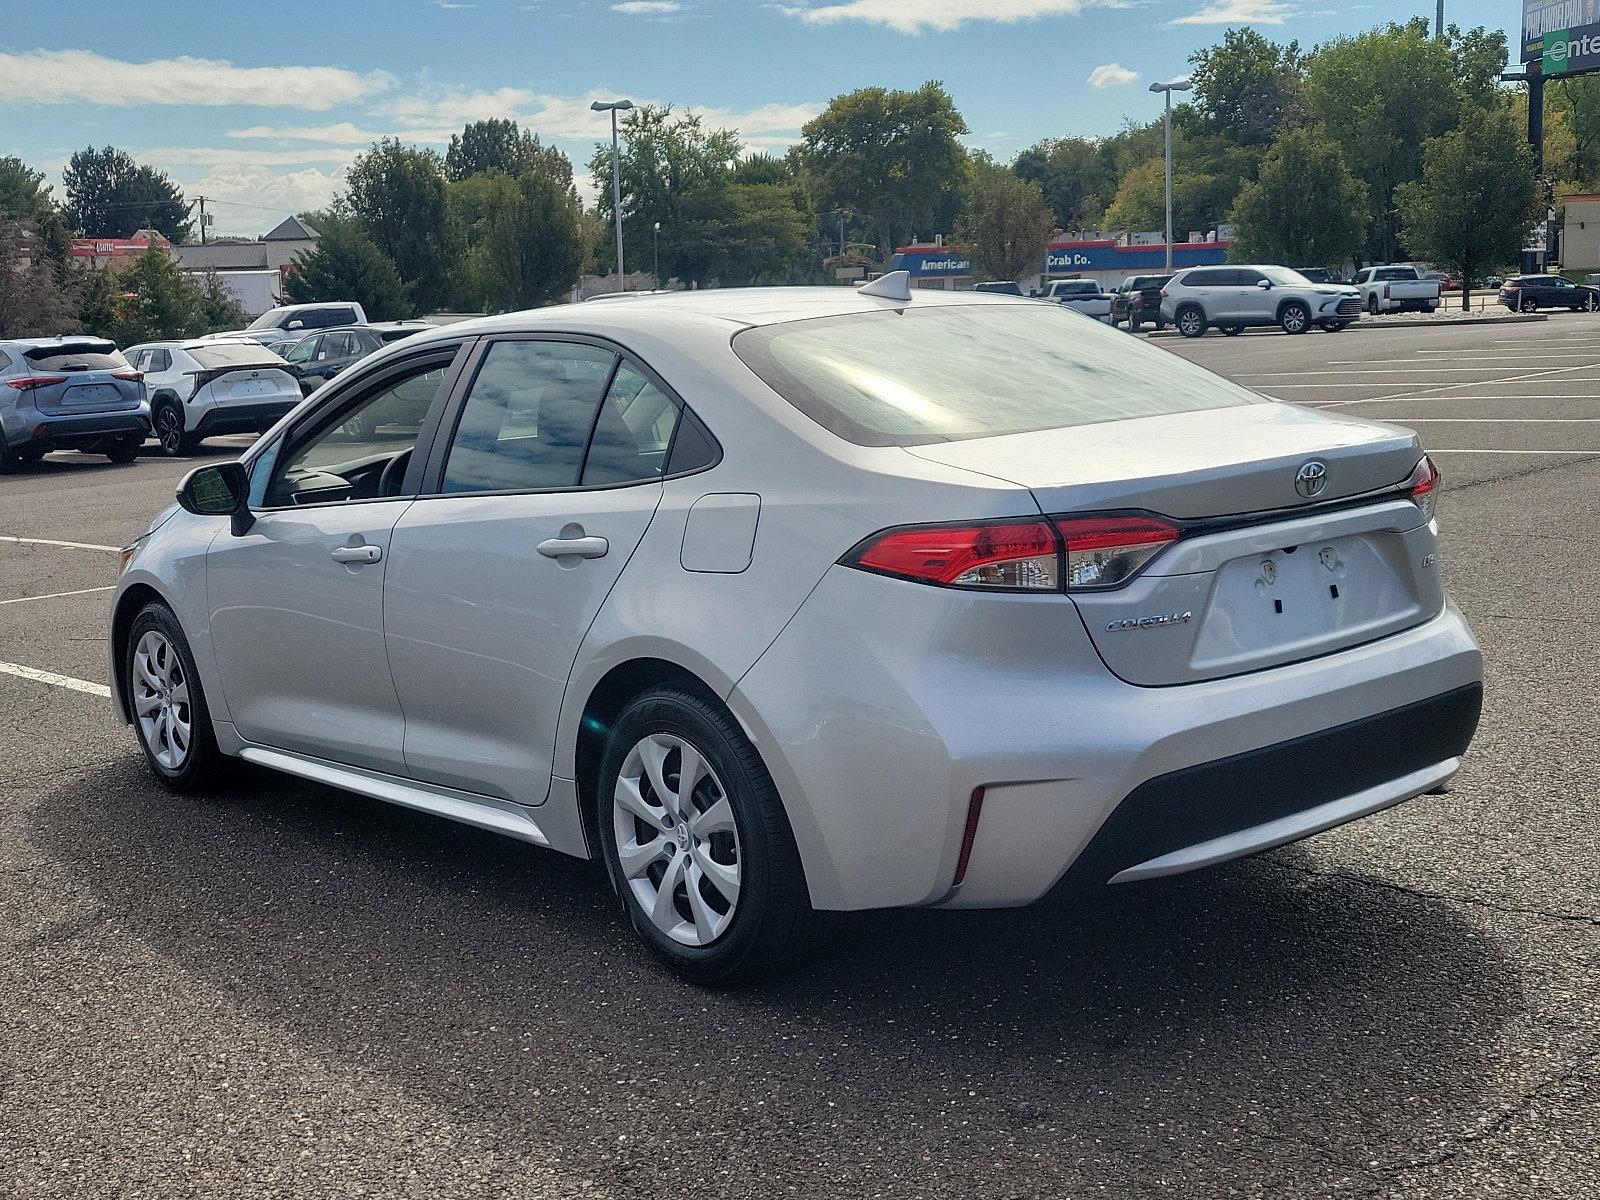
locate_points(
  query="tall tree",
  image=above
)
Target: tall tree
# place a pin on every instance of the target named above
(24, 195)
(1005, 224)
(1076, 175)
(524, 244)
(1472, 207)
(892, 157)
(397, 192)
(1245, 86)
(499, 144)
(112, 196)
(148, 300)
(1139, 206)
(346, 266)
(34, 300)
(1479, 56)
(1382, 95)
(1305, 209)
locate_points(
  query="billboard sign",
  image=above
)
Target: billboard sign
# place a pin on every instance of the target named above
(1562, 35)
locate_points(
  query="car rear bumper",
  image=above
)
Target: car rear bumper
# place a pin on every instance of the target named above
(66, 433)
(243, 418)
(880, 716)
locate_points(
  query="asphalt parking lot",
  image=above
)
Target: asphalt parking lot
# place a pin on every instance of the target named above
(287, 990)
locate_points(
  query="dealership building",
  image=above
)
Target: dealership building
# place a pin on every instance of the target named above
(1108, 261)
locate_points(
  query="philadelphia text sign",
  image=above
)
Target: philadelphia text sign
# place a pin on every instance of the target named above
(1563, 35)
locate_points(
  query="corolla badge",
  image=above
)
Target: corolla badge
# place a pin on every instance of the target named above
(1311, 478)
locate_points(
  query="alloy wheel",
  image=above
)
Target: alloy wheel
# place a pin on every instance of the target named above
(677, 844)
(161, 700)
(169, 429)
(1190, 323)
(1295, 319)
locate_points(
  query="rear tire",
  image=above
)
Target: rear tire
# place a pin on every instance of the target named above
(159, 676)
(1525, 305)
(1294, 317)
(122, 452)
(168, 422)
(728, 833)
(1191, 321)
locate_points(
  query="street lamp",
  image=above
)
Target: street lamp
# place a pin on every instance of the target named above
(613, 107)
(1176, 85)
(657, 271)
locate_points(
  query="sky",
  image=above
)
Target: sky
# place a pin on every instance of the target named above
(261, 106)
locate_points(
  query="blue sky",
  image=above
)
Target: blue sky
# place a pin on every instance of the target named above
(262, 105)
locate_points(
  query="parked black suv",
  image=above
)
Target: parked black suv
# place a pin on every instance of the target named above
(1524, 293)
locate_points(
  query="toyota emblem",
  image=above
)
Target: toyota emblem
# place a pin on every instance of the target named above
(1311, 478)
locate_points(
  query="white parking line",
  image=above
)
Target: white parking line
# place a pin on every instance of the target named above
(110, 587)
(22, 541)
(1590, 453)
(1496, 420)
(61, 681)
(1397, 371)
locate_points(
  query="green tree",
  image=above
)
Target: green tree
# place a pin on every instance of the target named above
(148, 300)
(1245, 86)
(499, 144)
(219, 309)
(347, 266)
(112, 196)
(397, 192)
(34, 301)
(1479, 56)
(1472, 207)
(24, 195)
(1305, 208)
(1005, 225)
(1140, 205)
(893, 158)
(1382, 95)
(524, 243)
(1077, 176)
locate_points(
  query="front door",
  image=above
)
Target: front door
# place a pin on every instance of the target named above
(297, 601)
(547, 486)
(1251, 302)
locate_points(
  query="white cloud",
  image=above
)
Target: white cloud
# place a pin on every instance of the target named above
(1238, 12)
(915, 16)
(1110, 75)
(250, 200)
(72, 76)
(341, 134)
(647, 8)
(234, 156)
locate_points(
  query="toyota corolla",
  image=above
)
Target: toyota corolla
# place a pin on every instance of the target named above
(779, 601)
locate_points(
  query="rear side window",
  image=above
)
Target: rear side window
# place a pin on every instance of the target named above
(955, 372)
(527, 417)
(633, 434)
(160, 360)
(326, 318)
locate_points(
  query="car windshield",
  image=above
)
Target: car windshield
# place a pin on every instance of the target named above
(1285, 276)
(268, 319)
(967, 371)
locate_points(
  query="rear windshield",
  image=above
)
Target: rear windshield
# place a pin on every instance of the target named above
(77, 356)
(1078, 285)
(956, 372)
(214, 355)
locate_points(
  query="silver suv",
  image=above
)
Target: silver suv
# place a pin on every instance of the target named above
(1237, 298)
(69, 393)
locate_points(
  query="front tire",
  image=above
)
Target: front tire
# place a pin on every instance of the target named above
(1591, 303)
(1294, 317)
(1191, 321)
(697, 844)
(168, 704)
(1232, 330)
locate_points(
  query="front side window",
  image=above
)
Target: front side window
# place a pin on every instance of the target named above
(527, 418)
(361, 449)
(303, 350)
(953, 372)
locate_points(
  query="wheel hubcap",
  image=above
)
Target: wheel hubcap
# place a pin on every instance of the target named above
(677, 843)
(161, 700)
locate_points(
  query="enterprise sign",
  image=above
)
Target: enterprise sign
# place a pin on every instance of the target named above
(1562, 35)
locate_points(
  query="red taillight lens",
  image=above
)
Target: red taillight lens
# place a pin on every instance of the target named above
(130, 376)
(1387, 292)
(1424, 487)
(29, 382)
(1103, 552)
(1008, 556)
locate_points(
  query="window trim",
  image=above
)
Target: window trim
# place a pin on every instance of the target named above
(351, 391)
(433, 476)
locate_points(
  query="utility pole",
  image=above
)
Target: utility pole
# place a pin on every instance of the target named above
(1438, 22)
(202, 202)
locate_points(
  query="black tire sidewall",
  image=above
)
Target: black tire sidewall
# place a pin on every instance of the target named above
(166, 406)
(1294, 306)
(771, 879)
(204, 757)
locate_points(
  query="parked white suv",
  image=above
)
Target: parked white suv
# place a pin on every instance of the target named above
(1238, 298)
(200, 389)
(291, 322)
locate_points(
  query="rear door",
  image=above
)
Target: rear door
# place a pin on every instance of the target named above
(297, 601)
(547, 482)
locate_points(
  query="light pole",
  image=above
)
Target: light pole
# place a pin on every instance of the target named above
(1166, 89)
(657, 271)
(613, 106)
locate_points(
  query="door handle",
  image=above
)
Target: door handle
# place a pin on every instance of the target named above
(358, 554)
(574, 547)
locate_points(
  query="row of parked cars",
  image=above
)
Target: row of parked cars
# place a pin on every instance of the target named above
(77, 392)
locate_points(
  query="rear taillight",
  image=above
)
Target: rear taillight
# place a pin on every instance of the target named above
(1008, 556)
(1103, 552)
(1387, 292)
(1424, 487)
(130, 376)
(1069, 553)
(26, 383)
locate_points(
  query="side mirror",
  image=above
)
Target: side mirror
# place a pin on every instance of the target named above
(295, 325)
(1265, 285)
(222, 490)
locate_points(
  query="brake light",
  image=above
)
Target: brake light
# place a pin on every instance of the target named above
(26, 383)
(1387, 294)
(1424, 487)
(1007, 556)
(130, 376)
(1103, 552)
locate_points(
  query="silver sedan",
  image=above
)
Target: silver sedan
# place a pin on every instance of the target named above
(789, 600)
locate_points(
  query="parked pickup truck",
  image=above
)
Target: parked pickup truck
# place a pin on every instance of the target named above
(1080, 295)
(1396, 289)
